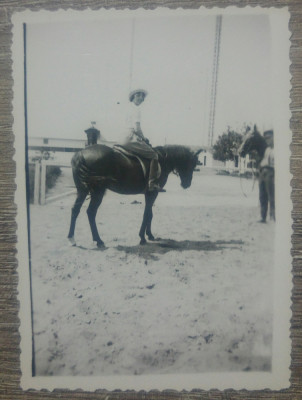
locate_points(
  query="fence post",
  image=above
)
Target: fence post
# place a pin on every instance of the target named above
(37, 182)
(43, 182)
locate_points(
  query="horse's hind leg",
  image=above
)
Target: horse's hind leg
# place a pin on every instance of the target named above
(81, 196)
(96, 200)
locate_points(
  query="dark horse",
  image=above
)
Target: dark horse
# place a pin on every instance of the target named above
(254, 141)
(100, 167)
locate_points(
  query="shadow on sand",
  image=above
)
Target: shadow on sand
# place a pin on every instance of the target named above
(162, 246)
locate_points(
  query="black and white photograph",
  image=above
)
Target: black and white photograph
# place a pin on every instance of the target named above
(153, 195)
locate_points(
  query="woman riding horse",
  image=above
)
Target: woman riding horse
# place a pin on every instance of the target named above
(98, 168)
(137, 144)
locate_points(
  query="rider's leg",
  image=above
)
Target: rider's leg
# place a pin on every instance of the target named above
(145, 151)
(154, 175)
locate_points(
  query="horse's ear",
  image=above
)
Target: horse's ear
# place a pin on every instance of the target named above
(198, 152)
(255, 129)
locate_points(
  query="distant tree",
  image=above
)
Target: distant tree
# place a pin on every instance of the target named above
(227, 144)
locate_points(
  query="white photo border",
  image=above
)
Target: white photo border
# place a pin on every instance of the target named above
(279, 377)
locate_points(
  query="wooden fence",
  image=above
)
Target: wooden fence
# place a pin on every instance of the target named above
(40, 181)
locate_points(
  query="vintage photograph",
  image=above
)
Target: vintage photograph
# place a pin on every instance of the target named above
(153, 194)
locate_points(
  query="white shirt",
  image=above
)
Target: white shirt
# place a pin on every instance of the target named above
(134, 124)
(268, 158)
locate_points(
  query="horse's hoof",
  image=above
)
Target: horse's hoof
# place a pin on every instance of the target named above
(143, 241)
(151, 238)
(72, 242)
(101, 245)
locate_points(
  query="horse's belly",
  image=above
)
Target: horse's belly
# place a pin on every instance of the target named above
(126, 189)
(129, 178)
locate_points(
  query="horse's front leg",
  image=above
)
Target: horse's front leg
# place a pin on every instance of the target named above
(148, 227)
(96, 200)
(147, 218)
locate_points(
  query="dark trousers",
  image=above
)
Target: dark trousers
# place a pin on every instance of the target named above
(141, 149)
(267, 192)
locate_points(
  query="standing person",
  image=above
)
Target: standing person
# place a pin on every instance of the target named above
(137, 143)
(267, 178)
(93, 135)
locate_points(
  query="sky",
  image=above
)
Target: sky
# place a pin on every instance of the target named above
(82, 71)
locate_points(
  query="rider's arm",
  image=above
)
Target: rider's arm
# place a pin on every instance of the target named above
(134, 126)
(139, 133)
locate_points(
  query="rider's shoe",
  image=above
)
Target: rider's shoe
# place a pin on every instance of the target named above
(156, 188)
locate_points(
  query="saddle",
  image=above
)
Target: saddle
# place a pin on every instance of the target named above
(127, 154)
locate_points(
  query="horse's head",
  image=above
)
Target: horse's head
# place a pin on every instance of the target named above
(183, 162)
(252, 141)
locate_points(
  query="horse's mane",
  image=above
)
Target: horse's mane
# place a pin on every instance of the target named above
(260, 144)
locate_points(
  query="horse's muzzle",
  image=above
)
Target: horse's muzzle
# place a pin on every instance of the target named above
(185, 185)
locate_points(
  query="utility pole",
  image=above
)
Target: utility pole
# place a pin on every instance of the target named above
(131, 54)
(214, 80)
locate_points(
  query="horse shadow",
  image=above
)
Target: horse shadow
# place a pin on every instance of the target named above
(162, 246)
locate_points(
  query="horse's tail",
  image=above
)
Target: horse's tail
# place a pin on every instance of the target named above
(80, 172)
(87, 179)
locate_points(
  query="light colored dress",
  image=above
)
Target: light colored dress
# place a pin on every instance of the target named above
(135, 141)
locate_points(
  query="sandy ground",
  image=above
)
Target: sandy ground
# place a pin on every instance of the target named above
(198, 300)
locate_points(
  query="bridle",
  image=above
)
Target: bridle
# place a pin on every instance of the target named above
(254, 180)
(247, 144)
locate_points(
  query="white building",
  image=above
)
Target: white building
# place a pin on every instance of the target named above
(240, 164)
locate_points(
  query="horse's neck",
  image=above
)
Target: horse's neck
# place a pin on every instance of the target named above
(261, 147)
(166, 166)
(170, 159)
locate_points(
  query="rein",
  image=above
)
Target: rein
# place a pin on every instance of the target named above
(253, 186)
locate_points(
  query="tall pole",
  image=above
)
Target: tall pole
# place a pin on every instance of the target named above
(131, 53)
(214, 80)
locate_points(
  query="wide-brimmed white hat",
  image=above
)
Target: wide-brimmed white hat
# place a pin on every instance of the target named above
(133, 93)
